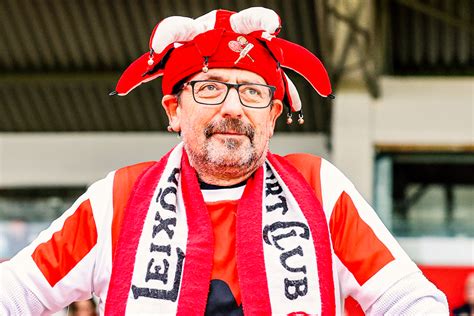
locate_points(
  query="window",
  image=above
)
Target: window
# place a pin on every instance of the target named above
(421, 194)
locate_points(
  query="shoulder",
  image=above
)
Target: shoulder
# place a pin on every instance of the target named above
(131, 172)
(124, 180)
(308, 165)
(118, 183)
(303, 160)
(310, 168)
(121, 180)
(327, 181)
(114, 189)
(317, 168)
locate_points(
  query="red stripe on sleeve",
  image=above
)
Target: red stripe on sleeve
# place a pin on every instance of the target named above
(124, 180)
(355, 243)
(56, 257)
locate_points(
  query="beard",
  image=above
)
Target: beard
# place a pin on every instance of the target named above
(228, 155)
(231, 151)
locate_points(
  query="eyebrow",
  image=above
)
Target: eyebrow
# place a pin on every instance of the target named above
(225, 79)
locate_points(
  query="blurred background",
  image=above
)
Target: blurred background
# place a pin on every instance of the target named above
(401, 126)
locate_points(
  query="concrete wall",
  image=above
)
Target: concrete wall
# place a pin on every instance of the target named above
(78, 159)
(425, 111)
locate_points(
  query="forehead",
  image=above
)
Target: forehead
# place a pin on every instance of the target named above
(230, 75)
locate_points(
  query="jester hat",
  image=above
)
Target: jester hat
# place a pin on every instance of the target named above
(181, 46)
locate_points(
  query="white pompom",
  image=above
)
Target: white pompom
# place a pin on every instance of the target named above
(175, 29)
(294, 95)
(255, 19)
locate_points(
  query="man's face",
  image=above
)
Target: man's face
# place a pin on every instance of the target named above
(228, 138)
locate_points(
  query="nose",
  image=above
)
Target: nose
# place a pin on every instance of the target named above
(231, 106)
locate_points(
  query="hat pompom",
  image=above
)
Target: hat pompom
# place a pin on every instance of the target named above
(255, 19)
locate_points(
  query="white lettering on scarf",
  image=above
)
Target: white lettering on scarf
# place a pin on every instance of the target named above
(289, 252)
(161, 251)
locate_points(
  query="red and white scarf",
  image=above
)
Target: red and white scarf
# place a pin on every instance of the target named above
(164, 257)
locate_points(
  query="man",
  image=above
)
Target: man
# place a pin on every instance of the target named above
(219, 225)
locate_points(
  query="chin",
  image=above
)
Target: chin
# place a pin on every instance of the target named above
(231, 153)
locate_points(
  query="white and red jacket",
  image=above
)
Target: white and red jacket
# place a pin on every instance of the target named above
(73, 258)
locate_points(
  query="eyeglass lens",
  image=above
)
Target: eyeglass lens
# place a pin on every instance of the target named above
(213, 93)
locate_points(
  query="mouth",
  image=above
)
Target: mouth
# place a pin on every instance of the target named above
(230, 133)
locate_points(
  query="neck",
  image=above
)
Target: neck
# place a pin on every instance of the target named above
(223, 179)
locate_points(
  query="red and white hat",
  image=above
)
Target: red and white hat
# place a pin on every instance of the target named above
(181, 47)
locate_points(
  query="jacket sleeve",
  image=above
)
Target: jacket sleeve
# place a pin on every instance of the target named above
(371, 266)
(58, 267)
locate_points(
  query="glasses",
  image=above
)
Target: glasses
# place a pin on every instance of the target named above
(213, 92)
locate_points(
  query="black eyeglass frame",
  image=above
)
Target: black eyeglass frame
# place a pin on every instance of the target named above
(236, 86)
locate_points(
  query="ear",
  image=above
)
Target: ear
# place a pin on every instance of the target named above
(170, 104)
(275, 111)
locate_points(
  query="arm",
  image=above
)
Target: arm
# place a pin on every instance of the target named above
(58, 267)
(371, 266)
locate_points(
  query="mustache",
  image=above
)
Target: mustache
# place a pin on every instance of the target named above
(230, 125)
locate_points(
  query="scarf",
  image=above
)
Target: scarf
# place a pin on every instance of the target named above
(164, 256)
